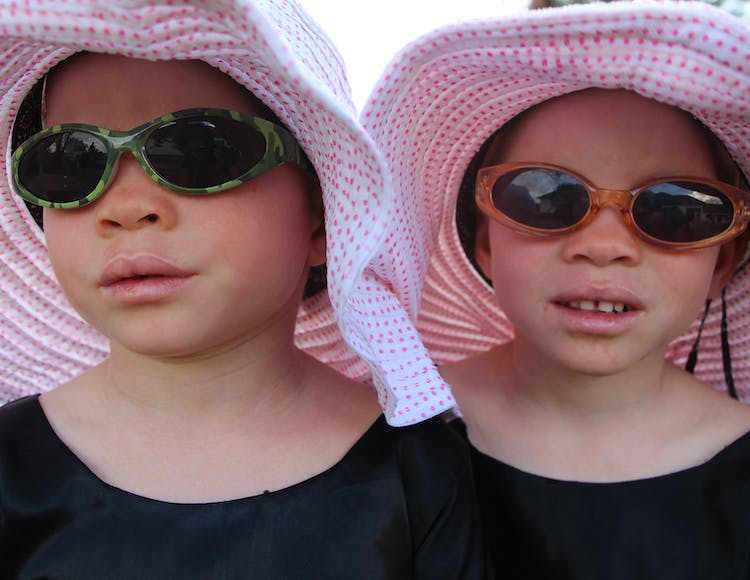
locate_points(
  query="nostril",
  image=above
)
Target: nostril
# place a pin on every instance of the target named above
(130, 222)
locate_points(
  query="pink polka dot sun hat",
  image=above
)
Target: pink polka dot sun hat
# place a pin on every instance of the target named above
(447, 92)
(275, 50)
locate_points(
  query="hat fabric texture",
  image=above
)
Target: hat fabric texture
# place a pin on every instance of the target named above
(447, 92)
(276, 51)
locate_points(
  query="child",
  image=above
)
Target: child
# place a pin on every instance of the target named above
(180, 166)
(611, 204)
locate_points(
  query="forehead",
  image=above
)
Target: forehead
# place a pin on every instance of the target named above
(605, 127)
(120, 92)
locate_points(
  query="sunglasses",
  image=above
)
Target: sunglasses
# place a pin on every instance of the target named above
(195, 151)
(679, 213)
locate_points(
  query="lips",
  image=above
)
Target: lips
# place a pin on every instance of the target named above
(604, 311)
(600, 300)
(122, 269)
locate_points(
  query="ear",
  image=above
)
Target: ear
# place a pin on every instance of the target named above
(317, 254)
(482, 254)
(730, 255)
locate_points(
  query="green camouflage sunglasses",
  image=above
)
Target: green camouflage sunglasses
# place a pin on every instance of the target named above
(194, 151)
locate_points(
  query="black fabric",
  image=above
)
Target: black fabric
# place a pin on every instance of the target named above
(689, 525)
(398, 505)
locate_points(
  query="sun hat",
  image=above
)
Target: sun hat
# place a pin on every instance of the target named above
(447, 92)
(274, 49)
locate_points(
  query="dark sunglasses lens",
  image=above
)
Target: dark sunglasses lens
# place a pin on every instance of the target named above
(202, 152)
(63, 167)
(682, 212)
(541, 198)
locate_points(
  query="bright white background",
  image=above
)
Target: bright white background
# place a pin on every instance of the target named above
(368, 33)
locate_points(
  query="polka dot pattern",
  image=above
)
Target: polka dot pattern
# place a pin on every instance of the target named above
(275, 50)
(444, 94)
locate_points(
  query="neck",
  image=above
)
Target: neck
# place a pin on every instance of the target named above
(256, 379)
(575, 394)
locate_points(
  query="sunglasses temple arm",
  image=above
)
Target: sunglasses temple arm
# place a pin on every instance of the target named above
(293, 152)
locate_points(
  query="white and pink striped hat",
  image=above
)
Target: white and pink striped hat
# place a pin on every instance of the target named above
(274, 49)
(447, 92)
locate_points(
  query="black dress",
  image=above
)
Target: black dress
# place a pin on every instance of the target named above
(689, 525)
(400, 504)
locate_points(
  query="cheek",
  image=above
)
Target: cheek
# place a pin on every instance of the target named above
(63, 232)
(518, 266)
(509, 250)
(70, 250)
(259, 230)
(688, 274)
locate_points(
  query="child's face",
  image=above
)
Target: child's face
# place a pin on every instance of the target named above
(557, 290)
(167, 274)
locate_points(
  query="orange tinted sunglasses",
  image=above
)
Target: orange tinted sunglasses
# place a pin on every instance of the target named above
(679, 213)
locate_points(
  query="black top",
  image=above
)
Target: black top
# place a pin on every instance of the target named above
(689, 525)
(398, 505)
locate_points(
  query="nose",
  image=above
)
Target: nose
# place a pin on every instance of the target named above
(606, 239)
(133, 201)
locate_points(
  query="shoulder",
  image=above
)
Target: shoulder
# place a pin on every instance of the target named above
(731, 433)
(24, 434)
(429, 454)
(29, 447)
(26, 445)
(438, 488)
(18, 416)
(713, 421)
(430, 437)
(430, 449)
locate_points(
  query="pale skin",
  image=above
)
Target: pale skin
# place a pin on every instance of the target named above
(204, 397)
(576, 400)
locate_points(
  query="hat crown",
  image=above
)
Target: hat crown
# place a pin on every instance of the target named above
(310, 46)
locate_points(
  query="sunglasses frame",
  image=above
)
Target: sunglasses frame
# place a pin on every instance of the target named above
(281, 147)
(620, 199)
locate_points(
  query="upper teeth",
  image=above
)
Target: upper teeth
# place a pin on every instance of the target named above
(597, 305)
